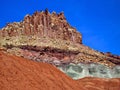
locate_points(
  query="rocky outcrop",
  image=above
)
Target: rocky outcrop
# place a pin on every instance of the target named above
(43, 24)
(116, 58)
(51, 35)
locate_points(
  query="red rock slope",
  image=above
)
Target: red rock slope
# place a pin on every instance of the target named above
(17, 73)
(20, 74)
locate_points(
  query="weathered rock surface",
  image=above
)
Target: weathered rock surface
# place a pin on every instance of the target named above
(43, 24)
(77, 71)
(116, 60)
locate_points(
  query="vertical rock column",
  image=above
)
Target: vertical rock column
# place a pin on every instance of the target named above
(45, 25)
(27, 27)
(35, 22)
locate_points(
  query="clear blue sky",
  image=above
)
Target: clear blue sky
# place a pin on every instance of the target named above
(97, 20)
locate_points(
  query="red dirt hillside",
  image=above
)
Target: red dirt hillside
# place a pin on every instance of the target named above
(17, 73)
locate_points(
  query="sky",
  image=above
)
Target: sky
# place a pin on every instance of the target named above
(97, 20)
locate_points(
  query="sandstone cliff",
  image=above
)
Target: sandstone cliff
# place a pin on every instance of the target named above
(48, 37)
(43, 24)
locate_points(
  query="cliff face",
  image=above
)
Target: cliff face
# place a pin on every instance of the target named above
(47, 37)
(43, 24)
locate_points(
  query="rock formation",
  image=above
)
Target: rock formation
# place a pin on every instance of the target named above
(48, 37)
(43, 24)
